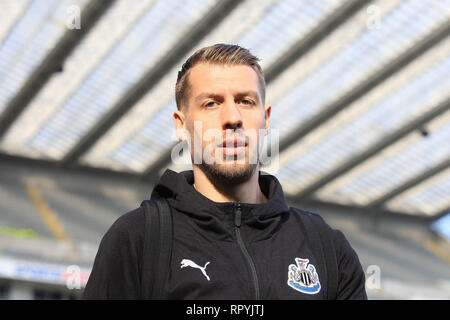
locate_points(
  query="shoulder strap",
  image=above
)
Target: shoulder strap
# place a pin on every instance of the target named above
(330, 257)
(320, 241)
(157, 248)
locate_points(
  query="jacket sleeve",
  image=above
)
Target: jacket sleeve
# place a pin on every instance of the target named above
(351, 278)
(116, 270)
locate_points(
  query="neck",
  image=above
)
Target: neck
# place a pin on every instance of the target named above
(247, 192)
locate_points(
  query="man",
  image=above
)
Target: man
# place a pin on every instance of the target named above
(230, 221)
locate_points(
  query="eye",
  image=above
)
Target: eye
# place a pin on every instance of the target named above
(247, 102)
(210, 104)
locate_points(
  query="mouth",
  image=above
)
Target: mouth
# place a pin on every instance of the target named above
(233, 146)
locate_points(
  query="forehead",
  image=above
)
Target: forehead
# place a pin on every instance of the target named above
(217, 77)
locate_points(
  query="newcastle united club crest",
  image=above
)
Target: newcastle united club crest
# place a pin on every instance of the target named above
(303, 277)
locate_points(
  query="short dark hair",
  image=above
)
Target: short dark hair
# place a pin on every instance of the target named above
(218, 54)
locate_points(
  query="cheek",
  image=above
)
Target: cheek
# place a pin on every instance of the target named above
(211, 135)
(203, 134)
(255, 126)
(254, 119)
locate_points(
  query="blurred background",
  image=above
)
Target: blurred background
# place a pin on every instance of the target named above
(360, 103)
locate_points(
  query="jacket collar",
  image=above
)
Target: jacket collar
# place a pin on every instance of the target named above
(179, 190)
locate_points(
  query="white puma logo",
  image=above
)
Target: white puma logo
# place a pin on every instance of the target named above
(190, 263)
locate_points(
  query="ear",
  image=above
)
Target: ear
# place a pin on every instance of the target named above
(267, 118)
(179, 119)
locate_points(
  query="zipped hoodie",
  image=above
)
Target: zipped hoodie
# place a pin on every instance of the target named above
(225, 250)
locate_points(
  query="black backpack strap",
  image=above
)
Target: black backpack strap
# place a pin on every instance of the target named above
(157, 248)
(319, 239)
(330, 256)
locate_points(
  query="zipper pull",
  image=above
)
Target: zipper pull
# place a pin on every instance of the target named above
(238, 215)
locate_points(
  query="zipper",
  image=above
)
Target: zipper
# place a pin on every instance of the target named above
(237, 228)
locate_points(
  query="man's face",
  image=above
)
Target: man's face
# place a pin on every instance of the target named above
(226, 120)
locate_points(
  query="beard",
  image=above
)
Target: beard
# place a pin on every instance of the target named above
(229, 174)
(233, 170)
(227, 169)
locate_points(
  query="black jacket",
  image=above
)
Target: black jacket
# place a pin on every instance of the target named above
(269, 258)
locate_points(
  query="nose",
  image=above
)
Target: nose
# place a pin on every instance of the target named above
(231, 117)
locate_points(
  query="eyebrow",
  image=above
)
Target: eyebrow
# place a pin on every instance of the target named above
(216, 96)
(250, 93)
(208, 95)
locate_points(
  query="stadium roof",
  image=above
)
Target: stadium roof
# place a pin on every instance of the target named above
(365, 85)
